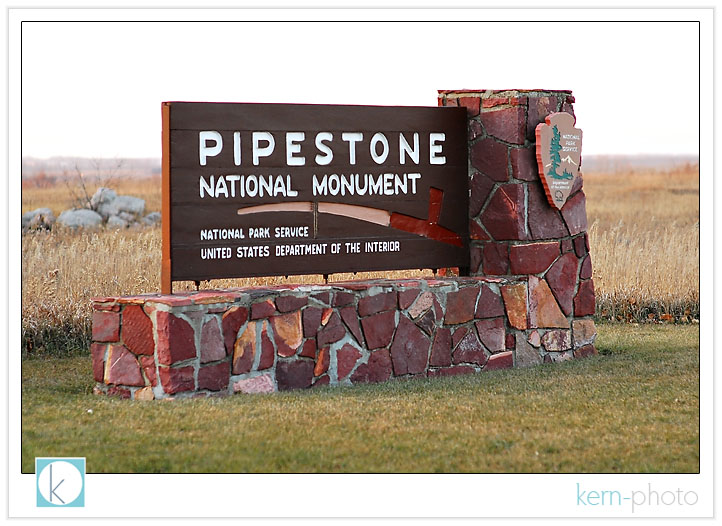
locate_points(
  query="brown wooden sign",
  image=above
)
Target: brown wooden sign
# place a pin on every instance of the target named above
(559, 156)
(282, 189)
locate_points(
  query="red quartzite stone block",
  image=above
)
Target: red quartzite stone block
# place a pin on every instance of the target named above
(311, 321)
(309, 349)
(288, 333)
(118, 391)
(214, 377)
(475, 129)
(212, 346)
(323, 360)
(510, 341)
(575, 214)
(489, 304)
(581, 247)
(515, 302)
(538, 109)
(508, 124)
(176, 339)
(585, 352)
(533, 258)
(557, 340)
(525, 355)
(332, 332)
(379, 329)
(544, 312)
(407, 297)
(441, 348)
(427, 322)
(476, 231)
(106, 326)
(502, 360)
(145, 394)
(481, 187)
(562, 279)
(423, 303)
(495, 259)
(475, 258)
(323, 297)
(325, 316)
(341, 299)
(490, 158)
(492, 102)
(323, 380)
(244, 350)
(297, 374)
(268, 354)
(176, 379)
(346, 358)
(584, 300)
(584, 332)
(210, 297)
(137, 330)
(492, 334)
(524, 164)
(263, 309)
(290, 303)
(586, 271)
(469, 350)
(545, 221)
(505, 215)
(257, 384)
(460, 306)
(577, 185)
(377, 303)
(378, 368)
(458, 335)
(472, 105)
(451, 371)
(231, 322)
(97, 351)
(350, 319)
(410, 349)
(148, 365)
(534, 338)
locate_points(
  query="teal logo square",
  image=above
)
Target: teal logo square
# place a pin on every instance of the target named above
(60, 482)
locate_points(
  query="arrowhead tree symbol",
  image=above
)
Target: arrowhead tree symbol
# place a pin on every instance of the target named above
(554, 148)
(558, 175)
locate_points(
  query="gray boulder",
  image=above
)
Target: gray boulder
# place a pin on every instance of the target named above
(102, 196)
(116, 222)
(126, 203)
(152, 219)
(81, 218)
(41, 218)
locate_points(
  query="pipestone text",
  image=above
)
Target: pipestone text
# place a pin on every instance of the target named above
(263, 144)
(233, 185)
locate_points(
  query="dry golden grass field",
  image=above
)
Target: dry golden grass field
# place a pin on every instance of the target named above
(644, 236)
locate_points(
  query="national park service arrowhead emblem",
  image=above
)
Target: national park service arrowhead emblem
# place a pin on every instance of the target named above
(558, 155)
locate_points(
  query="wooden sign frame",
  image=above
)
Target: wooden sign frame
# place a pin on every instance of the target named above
(313, 162)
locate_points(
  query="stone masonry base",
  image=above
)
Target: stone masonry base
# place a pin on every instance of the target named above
(260, 340)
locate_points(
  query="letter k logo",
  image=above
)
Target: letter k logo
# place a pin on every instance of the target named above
(60, 482)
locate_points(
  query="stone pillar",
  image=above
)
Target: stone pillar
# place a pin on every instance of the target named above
(515, 233)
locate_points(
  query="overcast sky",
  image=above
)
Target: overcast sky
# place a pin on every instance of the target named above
(95, 89)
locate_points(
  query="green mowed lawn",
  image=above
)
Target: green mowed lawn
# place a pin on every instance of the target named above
(632, 409)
